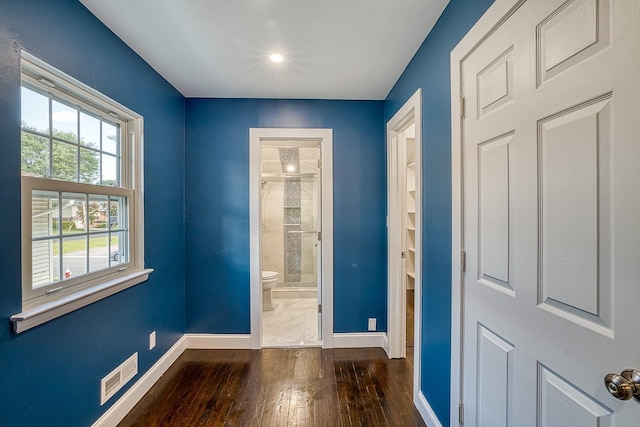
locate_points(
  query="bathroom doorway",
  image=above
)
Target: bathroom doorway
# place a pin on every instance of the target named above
(289, 238)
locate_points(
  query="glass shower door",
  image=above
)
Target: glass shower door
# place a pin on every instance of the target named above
(290, 241)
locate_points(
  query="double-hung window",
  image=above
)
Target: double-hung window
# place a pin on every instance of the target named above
(81, 194)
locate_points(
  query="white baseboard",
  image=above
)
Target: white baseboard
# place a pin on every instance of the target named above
(428, 416)
(121, 408)
(218, 341)
(360, 339)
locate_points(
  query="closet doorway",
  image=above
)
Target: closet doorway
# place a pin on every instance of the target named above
(404, 181)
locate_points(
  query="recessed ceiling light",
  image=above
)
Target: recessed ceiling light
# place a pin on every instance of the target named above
(291, 168)
(276, 57)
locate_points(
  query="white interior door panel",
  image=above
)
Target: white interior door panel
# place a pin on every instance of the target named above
(551, 223)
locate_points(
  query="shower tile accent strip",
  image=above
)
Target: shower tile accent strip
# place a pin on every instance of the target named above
(292, 217)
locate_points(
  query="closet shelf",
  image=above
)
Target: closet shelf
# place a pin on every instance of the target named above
(411, 274)
(411, 229)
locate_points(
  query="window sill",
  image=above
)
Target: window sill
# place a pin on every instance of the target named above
(42, 313)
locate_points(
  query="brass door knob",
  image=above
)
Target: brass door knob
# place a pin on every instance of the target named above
(624, 386)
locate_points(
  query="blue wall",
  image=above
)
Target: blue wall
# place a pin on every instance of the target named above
(217, 207)
(430, 70)
(51, 374)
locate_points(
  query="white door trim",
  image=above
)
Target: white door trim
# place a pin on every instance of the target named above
(396, 289)
(256, 135)
(497, 13)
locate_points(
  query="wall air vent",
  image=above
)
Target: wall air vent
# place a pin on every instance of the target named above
(118, 378)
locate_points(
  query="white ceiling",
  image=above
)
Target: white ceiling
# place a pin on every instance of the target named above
(334, 49)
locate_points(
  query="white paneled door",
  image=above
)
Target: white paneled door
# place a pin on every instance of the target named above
(551, 196)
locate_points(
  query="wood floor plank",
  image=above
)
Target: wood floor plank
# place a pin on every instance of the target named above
(281, 388)
(410, 318)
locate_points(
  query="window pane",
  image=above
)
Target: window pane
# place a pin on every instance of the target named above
(110, 140)
(35, 155)
(74, 256)
(110, 171)
(65, 161)
(116, 213)
(74, 209)
(65, 121)
(45, 263)
(118, 220)
(44, 214)
(98, 212)
(119, 248)
(98, 252)
(35, 111)
(44, 222)
(89, 166)
(89, 131)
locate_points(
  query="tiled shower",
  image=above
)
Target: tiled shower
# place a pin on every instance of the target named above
(289, 222)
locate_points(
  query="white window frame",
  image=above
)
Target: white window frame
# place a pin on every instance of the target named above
(39, 306)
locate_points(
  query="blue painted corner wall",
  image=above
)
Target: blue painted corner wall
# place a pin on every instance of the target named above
(217, 207)
(51, 374)
(430, 70)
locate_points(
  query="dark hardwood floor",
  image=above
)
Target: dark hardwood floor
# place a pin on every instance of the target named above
(281, 387)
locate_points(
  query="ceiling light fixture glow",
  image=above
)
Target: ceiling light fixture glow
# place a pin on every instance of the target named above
(276, 57)
(291, 168)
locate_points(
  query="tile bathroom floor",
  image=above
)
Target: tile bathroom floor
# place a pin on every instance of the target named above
(293, 322)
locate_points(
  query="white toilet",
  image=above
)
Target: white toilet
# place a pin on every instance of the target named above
(269, 281)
